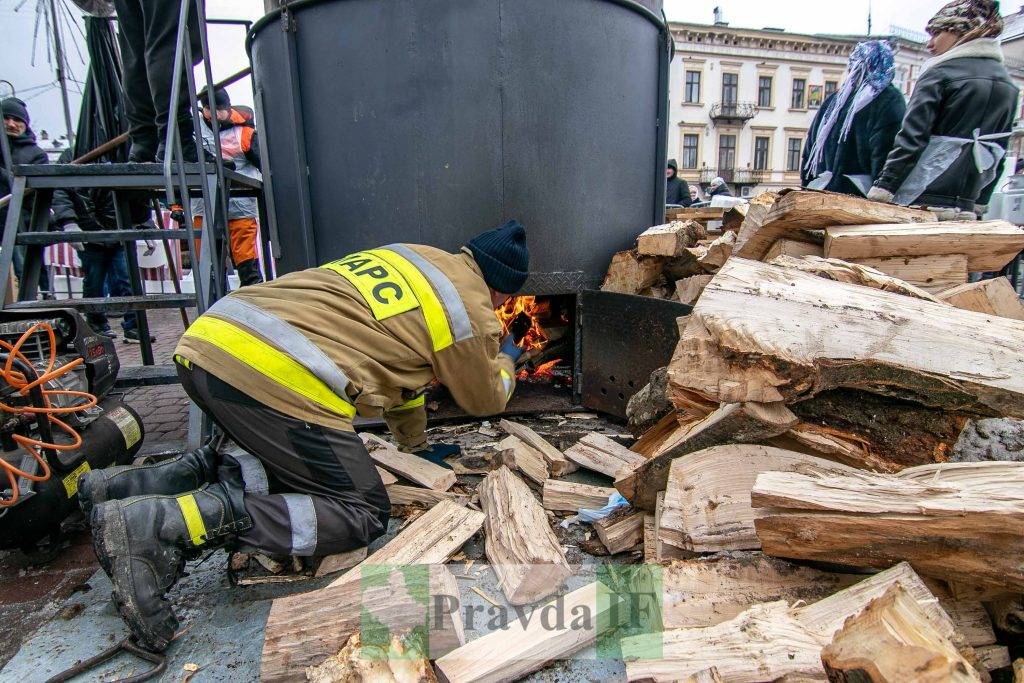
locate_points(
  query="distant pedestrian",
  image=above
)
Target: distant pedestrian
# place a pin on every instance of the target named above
(951, 149)
(24, 150)
(718, 188)
(854, 130)
(677, 190)
(694, 194)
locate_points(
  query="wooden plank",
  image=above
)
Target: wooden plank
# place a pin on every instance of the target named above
(528, 645)
(599, 453)
(304, 630)
(621, 531)
(523, 550)
(432, 538)
(565, 496)
(988, 245)
(791, 247)
(700, 213)
(763, 333)
(412, 467)
(992, 297)
(524, 458)
(707, 499)
(948, 523)
(413, 495)
(688, 289)
(933, 274)
(852, 273)
(670, 239)
(736, 423)
(795, 211)
(558, 464)
(892, 640)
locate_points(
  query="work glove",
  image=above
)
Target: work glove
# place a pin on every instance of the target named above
(878, 194)
(511, 349)
(438, 452)
(73, 227)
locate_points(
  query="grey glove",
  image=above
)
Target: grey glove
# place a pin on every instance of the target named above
(73, 227)
(878, 194)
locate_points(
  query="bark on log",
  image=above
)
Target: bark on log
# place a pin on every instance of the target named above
(648, 405)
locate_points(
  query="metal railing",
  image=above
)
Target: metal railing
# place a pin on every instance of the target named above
(739, 176)
(739, 111)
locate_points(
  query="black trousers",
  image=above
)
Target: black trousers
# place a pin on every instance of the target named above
(311, 490)
(147, 33)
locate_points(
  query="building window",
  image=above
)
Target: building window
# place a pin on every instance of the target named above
(726, 153)
(793, 152)
(830, 88)
(690, 142)
(764, 91)
(730, 88)
(761, 153)
(799, 91)
(692, 87)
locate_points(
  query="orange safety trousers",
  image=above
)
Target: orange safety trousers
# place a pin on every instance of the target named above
(242, 233)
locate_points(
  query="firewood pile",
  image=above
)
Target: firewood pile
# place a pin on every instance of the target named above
(792, 476)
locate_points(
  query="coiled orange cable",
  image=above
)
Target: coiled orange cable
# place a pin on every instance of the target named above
(18, 381)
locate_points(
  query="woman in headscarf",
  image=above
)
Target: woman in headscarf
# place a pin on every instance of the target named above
(855, 127)
(952, 146)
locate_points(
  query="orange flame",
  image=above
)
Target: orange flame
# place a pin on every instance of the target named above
(542, 371)
(536, 337)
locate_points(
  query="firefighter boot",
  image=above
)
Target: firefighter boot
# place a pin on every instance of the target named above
(142, 544)
(249, 272)
(186, 472)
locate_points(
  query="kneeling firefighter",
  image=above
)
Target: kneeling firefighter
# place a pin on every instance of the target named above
(283, 368)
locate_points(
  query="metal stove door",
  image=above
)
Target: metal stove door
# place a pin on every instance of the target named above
(623, 339)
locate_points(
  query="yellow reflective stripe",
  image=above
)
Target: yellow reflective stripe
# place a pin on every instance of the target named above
(507, 381)
(268, 361)
(193, 518)
(384, 289)
(433, 310)
(181, 360)
(409, 405)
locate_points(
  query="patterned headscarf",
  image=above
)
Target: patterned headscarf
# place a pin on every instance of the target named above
(871, 70)
(969, 19)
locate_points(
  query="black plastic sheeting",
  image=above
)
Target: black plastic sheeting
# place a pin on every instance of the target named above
(101, 117)
(430, 120)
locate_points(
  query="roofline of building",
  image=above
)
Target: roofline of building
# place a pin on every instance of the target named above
(782, 34)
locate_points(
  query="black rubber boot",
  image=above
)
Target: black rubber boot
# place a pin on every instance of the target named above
(249, 272)
(143, 146)
(185, 472)
(142, 544)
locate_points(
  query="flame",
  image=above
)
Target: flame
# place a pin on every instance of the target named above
(536, 337)
(542, 371)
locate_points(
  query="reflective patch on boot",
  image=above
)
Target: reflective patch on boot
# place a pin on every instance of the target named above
(193, 518)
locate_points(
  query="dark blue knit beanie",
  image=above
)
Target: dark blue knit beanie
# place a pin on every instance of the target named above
(15, 108)
(503, 257)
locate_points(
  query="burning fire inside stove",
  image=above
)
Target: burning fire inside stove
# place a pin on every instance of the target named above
(537, 313)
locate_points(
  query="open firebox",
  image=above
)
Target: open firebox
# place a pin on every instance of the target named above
(584, 350)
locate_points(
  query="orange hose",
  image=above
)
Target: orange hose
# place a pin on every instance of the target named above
(18, 381)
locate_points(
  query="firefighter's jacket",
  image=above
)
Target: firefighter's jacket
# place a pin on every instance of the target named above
(362, 335)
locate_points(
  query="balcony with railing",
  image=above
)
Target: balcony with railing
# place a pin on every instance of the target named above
(735, 176)
(733, 113)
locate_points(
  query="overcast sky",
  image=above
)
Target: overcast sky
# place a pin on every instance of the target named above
(17, 28)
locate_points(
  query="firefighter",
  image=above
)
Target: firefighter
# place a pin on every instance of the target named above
(283, 368)
(238, 147)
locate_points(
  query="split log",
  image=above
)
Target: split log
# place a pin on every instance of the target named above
(340, 561)
(688, 289)
(653, 439)
(700, 213)
(757, 212)
(670, 239)
(992, 297)
(733, 423)
(1018, 670)
(529, 644)
(524, 458)
(386, 477)
(764, 643)
(795, 248)
(523, 550)
(988, 245)
(795, 211)
(706, 676)
(992, 657)
(852, 273)
(1008, 614)
(707, 591)
(764, 333)
(599, 453)
(664, 551)
(948, 522)
(892, 641)
(412, 467)
(707, 498)
(306, 629)
(628, 273)
(432, 538)
(558, 464)
(395, 664)
(650, 540)
(648, 405)
(564, 496)
(413, 495)
(622, 530)
(718, 252)
(970, 617)
(931, 273)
